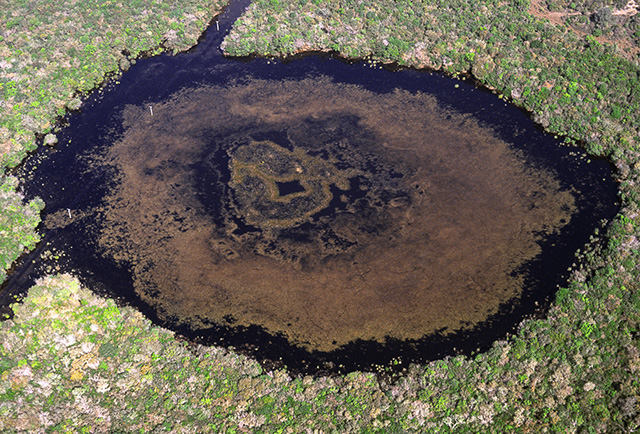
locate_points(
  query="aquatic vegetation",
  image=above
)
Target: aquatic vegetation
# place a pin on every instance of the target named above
(257, 168)
(401, 203)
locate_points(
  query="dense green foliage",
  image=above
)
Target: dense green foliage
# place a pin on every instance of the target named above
(17, 224)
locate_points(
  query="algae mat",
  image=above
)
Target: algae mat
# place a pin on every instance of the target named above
(408, 218)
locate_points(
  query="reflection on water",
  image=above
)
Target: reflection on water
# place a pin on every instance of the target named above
(403, 218)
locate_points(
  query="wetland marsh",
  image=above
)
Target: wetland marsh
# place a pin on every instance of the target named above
(316, 211)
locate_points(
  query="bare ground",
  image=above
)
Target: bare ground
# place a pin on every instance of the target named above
(626, 47)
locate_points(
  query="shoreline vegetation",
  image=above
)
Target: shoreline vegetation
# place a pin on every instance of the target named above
(71, 361)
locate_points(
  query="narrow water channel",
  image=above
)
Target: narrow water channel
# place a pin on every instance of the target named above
(316, 213)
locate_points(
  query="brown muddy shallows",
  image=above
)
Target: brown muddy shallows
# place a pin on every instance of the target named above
(406, 218)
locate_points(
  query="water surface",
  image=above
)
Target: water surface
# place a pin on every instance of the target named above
(315, 212)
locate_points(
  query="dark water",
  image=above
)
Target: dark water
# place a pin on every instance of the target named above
(289, 187)
(318, 214)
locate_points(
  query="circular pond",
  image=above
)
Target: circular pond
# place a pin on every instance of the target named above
(315, 213)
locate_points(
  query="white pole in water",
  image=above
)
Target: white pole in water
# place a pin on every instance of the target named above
(69, 211)
(151, 110)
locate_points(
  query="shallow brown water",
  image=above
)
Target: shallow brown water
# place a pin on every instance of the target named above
(412, 219)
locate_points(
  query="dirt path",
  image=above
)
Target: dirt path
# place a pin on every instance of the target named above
(625, 47)
(539, 10)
